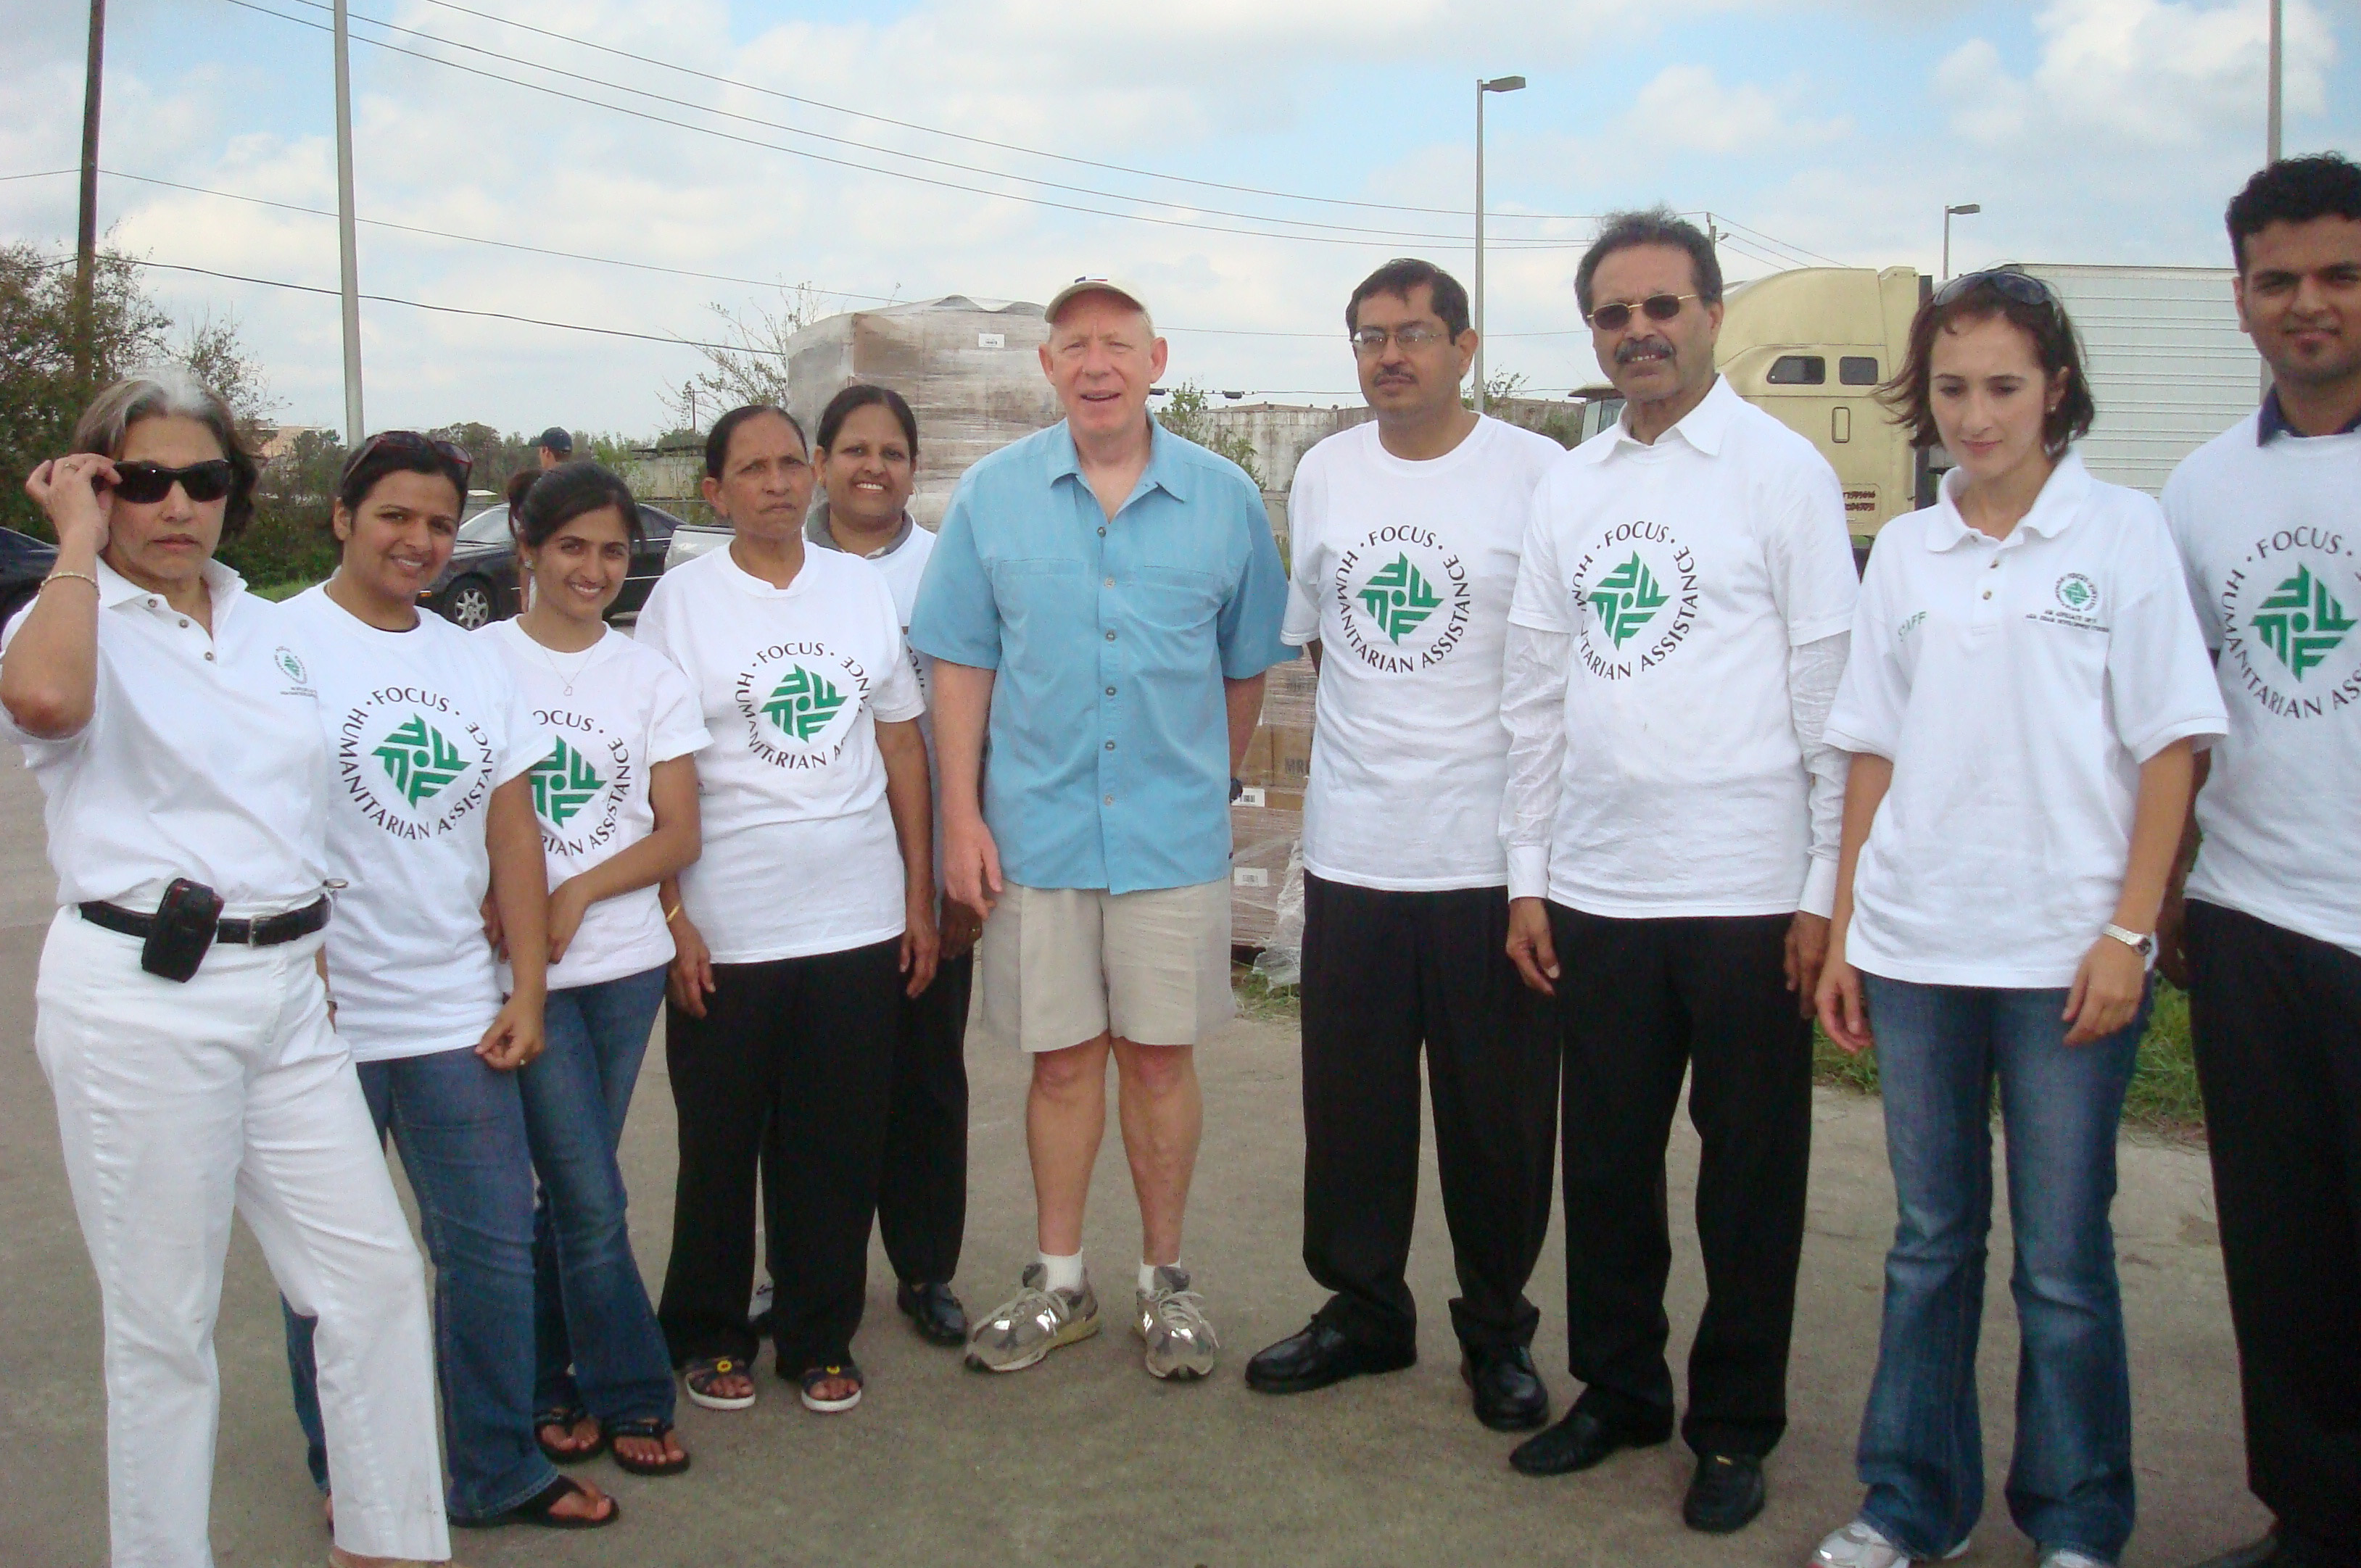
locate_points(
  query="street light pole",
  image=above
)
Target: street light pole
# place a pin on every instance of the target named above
(1497, 85)
(347, 246)
(1949, 213)
(2271, 111)
(86, 236)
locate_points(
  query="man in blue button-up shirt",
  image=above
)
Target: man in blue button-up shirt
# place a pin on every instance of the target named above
(1108, 596)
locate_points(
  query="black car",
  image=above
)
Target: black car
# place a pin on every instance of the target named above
(23, 562)
(480, 585)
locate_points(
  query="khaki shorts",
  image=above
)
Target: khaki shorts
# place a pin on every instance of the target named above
(1062, 966)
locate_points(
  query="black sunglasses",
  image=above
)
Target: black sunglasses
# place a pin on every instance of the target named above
(2008, 282)
(144, 484)
(432, 447)
(1659, 308)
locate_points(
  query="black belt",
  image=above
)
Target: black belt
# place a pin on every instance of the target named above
(264, 933)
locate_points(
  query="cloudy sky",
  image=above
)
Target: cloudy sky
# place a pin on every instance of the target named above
(1245, 162)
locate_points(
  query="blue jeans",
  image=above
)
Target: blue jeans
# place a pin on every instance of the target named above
(1939, 1049)
(595, 1336)
(460, 1128)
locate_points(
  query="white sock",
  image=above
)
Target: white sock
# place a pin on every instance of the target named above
(1147, 1272)
(1065, 1273)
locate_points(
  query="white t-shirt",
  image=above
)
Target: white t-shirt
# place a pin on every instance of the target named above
(1404, 571)
(1684, 571)
(628, 709)
(800, 855)
(421, 727)
(201, 760)
(2271, 538)
(2017, 685)
(902, 567)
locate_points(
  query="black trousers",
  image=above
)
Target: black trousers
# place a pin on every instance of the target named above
(1645, 1002)
(2276, 1021)
(922, 1198)
(808, 1044)
(1383, 973)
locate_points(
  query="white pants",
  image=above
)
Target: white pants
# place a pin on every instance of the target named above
(176, 1103)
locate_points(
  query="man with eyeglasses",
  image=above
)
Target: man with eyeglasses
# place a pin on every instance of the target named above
(1405, 532)
(1682, 613)
(1103, 601)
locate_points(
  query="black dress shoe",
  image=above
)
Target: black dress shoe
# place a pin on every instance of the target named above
(1509, 1394)
(933, 1311)
(1725, 1494)
(1318, 1356)
(1580, 1441)
(2270, 1552)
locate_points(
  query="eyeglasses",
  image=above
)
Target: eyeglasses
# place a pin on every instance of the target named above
(1370, 341)
(2008, 282)
(432, 447)
(148, 483)
(1617, 316)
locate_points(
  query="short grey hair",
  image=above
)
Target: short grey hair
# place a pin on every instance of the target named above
(1650, 226)
(165, 391)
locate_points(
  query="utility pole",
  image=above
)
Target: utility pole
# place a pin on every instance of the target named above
(1497, 85)
(86, 237)
(355, 431)
(2271, 110)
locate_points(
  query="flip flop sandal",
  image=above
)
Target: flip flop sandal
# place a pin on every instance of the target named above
(704, 1377)
(540, 1509)
(653, 1429)
(813, 1377)
(566, 1418)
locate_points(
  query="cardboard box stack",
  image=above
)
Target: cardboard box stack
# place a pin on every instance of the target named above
(1265, 825)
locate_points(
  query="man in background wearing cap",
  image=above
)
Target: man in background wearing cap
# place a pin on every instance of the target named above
(1105, 597)
(553, 448)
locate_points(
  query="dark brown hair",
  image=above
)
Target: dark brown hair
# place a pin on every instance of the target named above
(1910, 398)
(1402, 274)
(567, 492)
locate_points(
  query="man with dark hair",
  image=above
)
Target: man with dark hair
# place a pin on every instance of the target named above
(1405, 532)
(554, 446)
(2268, 942)
(1682, 608)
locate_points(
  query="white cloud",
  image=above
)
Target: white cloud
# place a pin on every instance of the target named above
(1688, 106)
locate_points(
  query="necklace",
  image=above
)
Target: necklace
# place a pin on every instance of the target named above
(570, 672)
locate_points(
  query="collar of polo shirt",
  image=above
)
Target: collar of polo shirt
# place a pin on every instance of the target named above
(1703, 427)
(1164, 471)
(2054, 509)
(114, 589)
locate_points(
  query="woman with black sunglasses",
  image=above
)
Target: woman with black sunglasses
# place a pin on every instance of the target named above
(171, 720)
(430, 742)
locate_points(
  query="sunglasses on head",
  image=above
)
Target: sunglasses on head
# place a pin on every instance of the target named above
(434, 447)
(1617, 316)
(2008, 282)
(145, 484)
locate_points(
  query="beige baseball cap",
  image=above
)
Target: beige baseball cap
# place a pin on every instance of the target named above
(1080, 286)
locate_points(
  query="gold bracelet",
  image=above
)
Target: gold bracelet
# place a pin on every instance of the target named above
(78, 576)
(671, 915)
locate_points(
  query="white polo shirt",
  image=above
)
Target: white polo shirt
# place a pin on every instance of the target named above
(420, 727)
(800, 855)
(2270, 537)
(1402, 572)
(616, 710)
(1684, 571)
(202, 758)
(2018, 686)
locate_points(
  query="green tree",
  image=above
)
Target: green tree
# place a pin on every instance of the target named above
(40, 395)
(1188, 412)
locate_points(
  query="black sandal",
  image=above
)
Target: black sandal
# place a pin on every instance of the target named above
(567, 1417)
(652, 1429)
(848, 1371)
(539, 1508)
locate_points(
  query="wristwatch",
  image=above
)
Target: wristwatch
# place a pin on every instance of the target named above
(2145, 946)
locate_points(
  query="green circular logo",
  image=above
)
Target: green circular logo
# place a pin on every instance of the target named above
(2078, 593)
(286, 660)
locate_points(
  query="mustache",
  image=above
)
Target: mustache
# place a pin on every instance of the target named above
(1632, 348)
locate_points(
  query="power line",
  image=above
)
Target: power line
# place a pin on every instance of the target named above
(958, 136)
(1374, 233)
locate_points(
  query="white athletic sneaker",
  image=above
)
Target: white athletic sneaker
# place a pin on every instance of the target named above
(1858, 1545)
(2067, 1557)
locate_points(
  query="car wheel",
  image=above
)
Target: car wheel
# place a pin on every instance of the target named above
(468, 603)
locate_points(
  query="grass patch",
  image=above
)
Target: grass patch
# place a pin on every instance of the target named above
(279, 592)
(1260, 1000)
(2163, 1097)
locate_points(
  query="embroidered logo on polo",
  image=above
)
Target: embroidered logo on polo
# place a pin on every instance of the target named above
(1402, 599)
(412, 762)
(1636, 599)
(291, 667)
(2078, 593)
(2077, 604)
(579, 789)
(2287, 629)
(800, 699)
